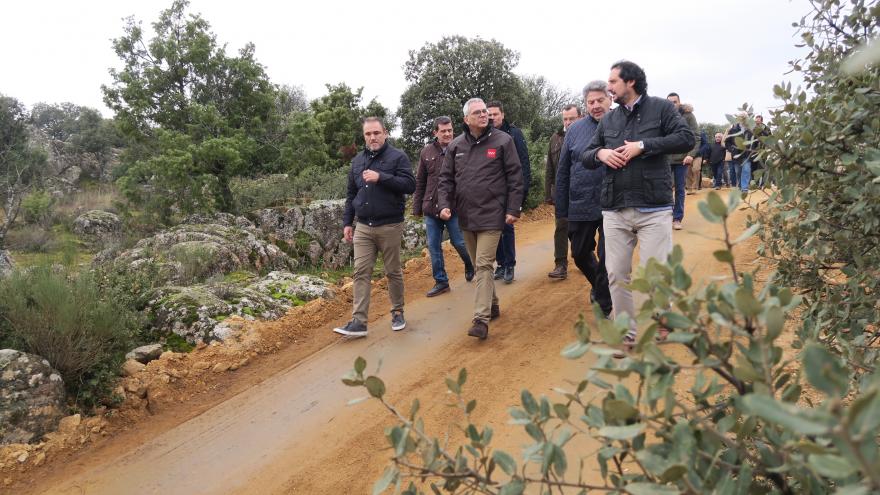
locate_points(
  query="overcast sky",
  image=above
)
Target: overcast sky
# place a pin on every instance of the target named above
(715, 54)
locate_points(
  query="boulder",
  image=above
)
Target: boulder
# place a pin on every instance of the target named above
(97, 226)
(201, 248)
(7, 264)
(31, 397)
(145, 353)
(132, 367)
(198, 313)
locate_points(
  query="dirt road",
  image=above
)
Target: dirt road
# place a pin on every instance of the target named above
(293, 433)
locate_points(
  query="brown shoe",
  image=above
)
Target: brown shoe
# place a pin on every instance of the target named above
(479, 330)
(560, 272)
(495, 312)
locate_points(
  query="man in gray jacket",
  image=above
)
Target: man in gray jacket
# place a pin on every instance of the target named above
(577, 195)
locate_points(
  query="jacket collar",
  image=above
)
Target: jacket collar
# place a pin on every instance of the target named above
(470, 137)
(373, 154)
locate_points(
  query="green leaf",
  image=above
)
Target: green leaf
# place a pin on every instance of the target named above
(505, 461)
(562, 411)
(749, 232)
(673, 473)
(775, 321)
(618, 409)
(644, 488)
(470, 406)
(747, 303)
(462, 377)
(357, 401)
(723, 255)
(825, 371)
(375, 386)
(675, 320)
(716, 205)
(786, 415)
(621, 432)
(528, 402)
(388, 477)
(360, 364)
(575, 350)
(514, 487)
(610, 334)
(832, 466)
(707, 213)
(453, 386)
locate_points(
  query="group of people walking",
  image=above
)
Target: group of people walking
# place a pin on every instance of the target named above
(608, 176)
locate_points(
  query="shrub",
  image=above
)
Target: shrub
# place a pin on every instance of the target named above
(262, 192)
(314, 184)
(36, 207)
(64, 317)
(30, 239)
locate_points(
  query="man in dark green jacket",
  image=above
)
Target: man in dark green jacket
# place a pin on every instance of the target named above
(682, 163)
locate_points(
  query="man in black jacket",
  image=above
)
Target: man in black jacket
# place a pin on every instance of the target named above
(632, 142)
(717, 152)
(506, 253)
(378, 182)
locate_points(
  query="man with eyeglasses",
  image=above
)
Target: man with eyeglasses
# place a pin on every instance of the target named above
(481, 181)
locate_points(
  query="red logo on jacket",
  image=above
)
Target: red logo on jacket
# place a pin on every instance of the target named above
(490, 153)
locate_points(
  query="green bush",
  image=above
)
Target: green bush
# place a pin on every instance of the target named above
(262, 192)
(313, 184)
(64, 317)
(36, 207)
(31, 239)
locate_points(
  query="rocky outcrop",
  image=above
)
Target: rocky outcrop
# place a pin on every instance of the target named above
(97, 226)
(200, 248)
(145, 353)
(313, 234)
(31, 397)
(7, 264)
(197, 312)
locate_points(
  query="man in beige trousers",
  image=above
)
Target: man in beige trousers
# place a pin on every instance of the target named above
(379, 179)
(481, 181)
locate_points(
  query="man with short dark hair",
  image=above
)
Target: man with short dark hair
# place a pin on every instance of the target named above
(683, 163)
(379, 180)
(426, 202)
(632, 143)
(570, 115)
(506, 254)
(577, 195)
(481, 181)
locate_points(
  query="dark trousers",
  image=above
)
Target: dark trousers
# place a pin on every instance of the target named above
(505, 254)
(679, 174)
(718, 173)
(583, 249)
(560, 242)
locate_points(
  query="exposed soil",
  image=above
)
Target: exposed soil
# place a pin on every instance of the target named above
(268, 414)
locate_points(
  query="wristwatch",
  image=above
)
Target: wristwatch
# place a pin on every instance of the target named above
(642, 145)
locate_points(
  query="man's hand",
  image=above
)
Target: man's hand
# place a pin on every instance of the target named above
(370, 176)
(510, 219)
(445, 214)
(348, 233)
(688, 160)
(629, 150)
(612, 158)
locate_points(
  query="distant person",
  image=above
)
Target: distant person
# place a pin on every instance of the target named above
(481, 181)
(570, 115)
(636, 194)
(425, 202)
(577, 195)
(717, 152)
(761, 131)
(705, 147)
(742, 156)
(682, 162)
(380, 177)
(506, 254)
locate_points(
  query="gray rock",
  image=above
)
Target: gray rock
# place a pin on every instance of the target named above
(145, 353)
(7, 264)
(97, 226)
(415, 235)
(31, 397)
(193, 252)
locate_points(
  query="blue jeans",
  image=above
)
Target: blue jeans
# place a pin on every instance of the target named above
(744, 174)
(718, 173)
(732, 174)
(505, 255)
(679, 173)
(434, 227)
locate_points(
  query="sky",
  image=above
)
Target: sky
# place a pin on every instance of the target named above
(716, 54)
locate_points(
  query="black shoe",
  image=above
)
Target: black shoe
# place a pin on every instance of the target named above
(495, 312)
(354, 328)
(508, 275)
(439, 288)
(560, 272)
(499, 272)
(469, 273)
(479, 330)
(397, 321)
